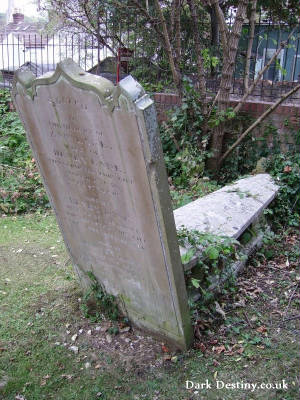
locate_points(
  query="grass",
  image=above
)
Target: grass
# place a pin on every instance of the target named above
(40, 311)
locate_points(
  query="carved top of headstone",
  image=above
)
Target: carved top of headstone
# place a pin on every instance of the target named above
(98, 150)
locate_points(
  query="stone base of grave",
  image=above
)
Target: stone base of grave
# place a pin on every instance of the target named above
(237, 267)
(229, 211)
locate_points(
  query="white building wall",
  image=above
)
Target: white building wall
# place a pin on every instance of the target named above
(13, 53)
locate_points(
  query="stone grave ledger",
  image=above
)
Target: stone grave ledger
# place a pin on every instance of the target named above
(98, 150)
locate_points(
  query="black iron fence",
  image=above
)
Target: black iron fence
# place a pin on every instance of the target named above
(41, 53)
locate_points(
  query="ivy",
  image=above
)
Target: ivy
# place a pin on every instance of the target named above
(21, 187)
(215, 253)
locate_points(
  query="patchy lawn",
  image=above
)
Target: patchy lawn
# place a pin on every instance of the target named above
(42, 327)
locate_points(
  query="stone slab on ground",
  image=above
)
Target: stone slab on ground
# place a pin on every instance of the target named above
(230, 210)
(98, 150)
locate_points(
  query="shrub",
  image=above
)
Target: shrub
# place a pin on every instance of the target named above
(285, 169)
(21, 187)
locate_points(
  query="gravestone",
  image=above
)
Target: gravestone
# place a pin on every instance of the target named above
(98, 150)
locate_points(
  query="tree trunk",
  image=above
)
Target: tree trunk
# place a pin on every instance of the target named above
(200, 66)
(214, 37)
(250, 43)
(223, 101)
(174, 67)
(177, 34)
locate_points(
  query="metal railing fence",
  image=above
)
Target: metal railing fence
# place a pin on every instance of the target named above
(40, 54)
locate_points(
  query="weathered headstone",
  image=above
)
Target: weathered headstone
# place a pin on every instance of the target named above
(98, 151)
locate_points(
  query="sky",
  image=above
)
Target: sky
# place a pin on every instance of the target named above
(28, 7)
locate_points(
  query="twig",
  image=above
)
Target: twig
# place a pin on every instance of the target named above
(290, 319)
(290, 299)
(260, 74)
(247, 319)
(258, 121)
(250, 44)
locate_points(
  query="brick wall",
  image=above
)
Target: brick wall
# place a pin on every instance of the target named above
(286, 118)
(163, 103)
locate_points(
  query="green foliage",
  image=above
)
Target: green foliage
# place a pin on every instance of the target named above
(209, 60)
(21, 187)
(185, 258)
(183, 142)
(218, 117)
(97, 303)
(243, 159)
(285, 169)
(263, 154)
(183, 196)
(153, 77)
(215, 254)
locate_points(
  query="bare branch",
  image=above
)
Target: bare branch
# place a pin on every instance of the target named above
(260, 74)
(177, 35)
(250, 43)
(223, 26)
(174, 68)
(150, 19)
(200, 63)
(258, 121)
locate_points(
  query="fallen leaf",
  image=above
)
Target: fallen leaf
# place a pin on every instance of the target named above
(124, 330)
(240, 303)
(74, 349)
(220, 310)
(269, 282)
(68, 377)
(165, 349)
(104, 327)
(108, 338)
(287, 263)
(277, 312)
(229, 353)
(74, 337)
(201, 346)
(219, 349)
(262, 329)
(202, 324)
(215, 375)
(44, 380)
